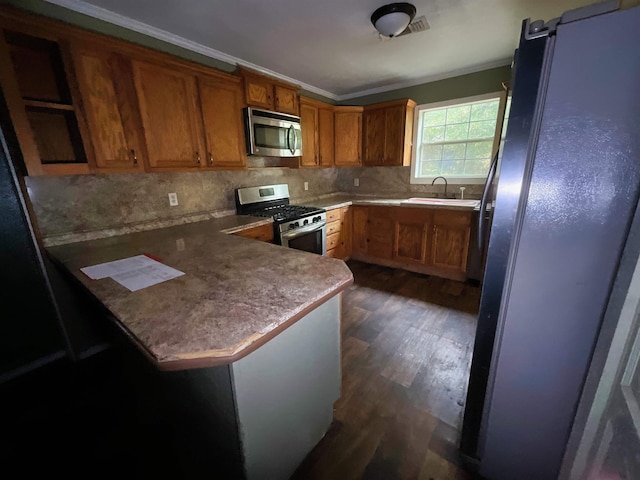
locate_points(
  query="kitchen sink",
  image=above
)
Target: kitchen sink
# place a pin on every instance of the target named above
(454, 202)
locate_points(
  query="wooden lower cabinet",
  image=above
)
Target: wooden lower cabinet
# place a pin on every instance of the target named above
(264, 233)
(450, 241)
(434, 241)
(339, 232)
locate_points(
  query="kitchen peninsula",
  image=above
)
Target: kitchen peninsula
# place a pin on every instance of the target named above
(250, 337)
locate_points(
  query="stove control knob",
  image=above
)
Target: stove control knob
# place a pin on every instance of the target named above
(297, 224)
(306, 220)
(291, 226)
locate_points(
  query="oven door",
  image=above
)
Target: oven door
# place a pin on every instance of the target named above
(312, 238)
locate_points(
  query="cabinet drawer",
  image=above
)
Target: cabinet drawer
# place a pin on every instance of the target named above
(333, 241)
(333, 215)
(333, 253)
(264, 233)
(333, 227)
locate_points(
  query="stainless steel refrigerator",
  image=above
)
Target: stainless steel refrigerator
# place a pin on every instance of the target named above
(566, 189)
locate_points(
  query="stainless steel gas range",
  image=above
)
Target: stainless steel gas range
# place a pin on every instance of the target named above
(295, 226)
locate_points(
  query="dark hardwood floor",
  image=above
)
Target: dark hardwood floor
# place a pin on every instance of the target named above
(406, 351)
(406, 347)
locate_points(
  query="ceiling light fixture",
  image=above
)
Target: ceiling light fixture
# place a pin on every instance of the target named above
(392, 19)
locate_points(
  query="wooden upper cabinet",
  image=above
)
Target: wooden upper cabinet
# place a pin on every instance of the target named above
(326, 136)
(388, 133)
(168, 103)
(348, 136)
(286, 99)
(258, 92)
(269, 93)
(40, 89)
(374, 132)
(113, 121)
(309, 126)
(221, 106)
(317, 133)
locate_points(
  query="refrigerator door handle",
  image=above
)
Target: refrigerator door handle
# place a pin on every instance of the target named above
(485, 198)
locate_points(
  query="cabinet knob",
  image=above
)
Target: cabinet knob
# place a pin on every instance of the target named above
(135, 157)
(198, 158)
(210, 158)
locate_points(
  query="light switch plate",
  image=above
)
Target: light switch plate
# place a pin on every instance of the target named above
(356, 182)
(173, 199)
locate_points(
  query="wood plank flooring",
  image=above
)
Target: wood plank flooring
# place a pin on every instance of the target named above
(406, 351)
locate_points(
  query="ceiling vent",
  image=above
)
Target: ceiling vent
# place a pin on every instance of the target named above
(420, 24)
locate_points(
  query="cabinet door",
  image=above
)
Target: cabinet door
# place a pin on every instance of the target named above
(221, 105)
(113, 118)
(286, 100)
(380, 232)
(346, 232)
(348, 138)
(170, 115)
(374, 137)
(359, 229)
(325, 136)
(394, 135)
(309, 126)
(258, 92)
(450, 240)
(411, 231)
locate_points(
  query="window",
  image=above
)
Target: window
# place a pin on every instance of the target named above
(456, 139)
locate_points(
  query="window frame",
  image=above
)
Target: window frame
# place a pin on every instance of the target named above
(456, 180)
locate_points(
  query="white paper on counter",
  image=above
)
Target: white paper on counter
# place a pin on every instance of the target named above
(134, 273)
(109, 269)
(146, 276)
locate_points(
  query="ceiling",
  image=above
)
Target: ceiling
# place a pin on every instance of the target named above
(329, 46)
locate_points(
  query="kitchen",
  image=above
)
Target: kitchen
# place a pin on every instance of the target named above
(130, 202)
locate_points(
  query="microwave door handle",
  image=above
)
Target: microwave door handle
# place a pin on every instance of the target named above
(289, 132)
(298, 231)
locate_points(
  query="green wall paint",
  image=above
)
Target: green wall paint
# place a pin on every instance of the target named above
(84, 21)
(486, 81)
(478, 83)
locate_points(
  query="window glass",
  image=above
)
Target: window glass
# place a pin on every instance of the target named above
(456, 140)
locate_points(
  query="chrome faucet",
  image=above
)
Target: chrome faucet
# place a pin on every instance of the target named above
(445, 184)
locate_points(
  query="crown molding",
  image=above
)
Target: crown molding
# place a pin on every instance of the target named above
(100, 13)
(427, 79)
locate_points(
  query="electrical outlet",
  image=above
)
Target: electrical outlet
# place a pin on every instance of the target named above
(173, 199)
(356, 182)
(180, 244)
(306, 186)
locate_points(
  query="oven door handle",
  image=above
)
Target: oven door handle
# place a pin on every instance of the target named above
(298, 231)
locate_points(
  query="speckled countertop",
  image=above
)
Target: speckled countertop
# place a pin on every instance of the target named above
(235, 295)
(342, 200)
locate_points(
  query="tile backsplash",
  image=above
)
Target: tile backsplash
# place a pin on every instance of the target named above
(97, 203)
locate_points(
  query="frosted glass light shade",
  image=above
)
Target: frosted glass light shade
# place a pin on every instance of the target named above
(392, 19)
(392, 24)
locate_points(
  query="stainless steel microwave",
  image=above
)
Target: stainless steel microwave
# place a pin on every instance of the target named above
(272, 134)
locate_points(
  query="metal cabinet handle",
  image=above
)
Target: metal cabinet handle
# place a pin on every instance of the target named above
(135, 157)
(198, 158)
(210, 158)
